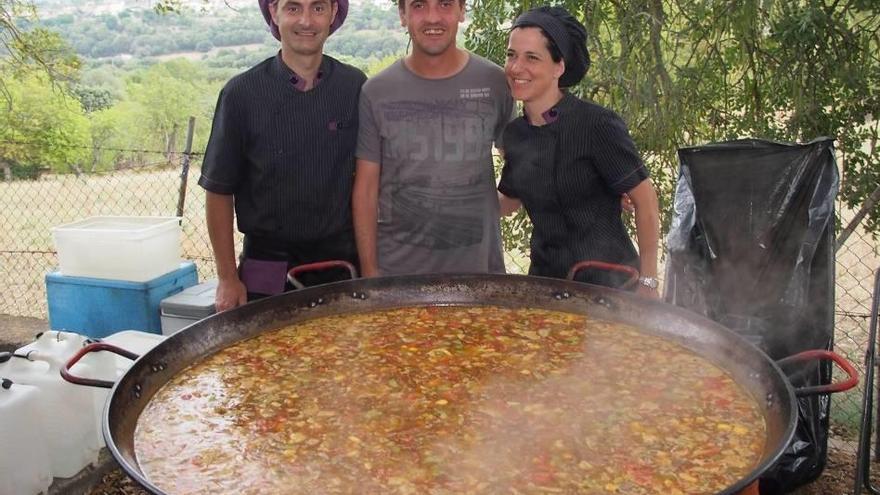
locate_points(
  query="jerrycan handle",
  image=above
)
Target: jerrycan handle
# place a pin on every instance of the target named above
(94, 347)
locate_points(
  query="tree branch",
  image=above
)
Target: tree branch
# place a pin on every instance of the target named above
(867, 206)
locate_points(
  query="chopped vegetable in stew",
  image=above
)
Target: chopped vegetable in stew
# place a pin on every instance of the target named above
(451, 400)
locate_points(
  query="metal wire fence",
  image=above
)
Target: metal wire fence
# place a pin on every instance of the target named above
(30, 208)
(856, 261)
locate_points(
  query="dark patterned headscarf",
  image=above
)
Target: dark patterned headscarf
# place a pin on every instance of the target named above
(567, 34)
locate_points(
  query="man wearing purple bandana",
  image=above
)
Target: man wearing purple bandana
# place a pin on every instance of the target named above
(281, 158)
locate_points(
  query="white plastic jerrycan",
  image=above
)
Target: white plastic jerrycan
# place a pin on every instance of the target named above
(68, 419)
(100, 367)
(24, 458)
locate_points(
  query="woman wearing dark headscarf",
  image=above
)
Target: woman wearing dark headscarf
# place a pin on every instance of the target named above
(569, 161)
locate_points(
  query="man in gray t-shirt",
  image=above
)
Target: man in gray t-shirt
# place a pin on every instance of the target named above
(424, 196)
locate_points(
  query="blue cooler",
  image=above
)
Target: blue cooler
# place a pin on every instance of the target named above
(99, 307)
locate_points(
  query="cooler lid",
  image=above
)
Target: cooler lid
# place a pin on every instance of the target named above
(196, 302)
(185, 270)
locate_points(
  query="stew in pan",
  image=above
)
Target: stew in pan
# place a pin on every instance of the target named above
(477, 399)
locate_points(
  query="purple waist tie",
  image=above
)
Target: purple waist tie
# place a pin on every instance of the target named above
(263, 277)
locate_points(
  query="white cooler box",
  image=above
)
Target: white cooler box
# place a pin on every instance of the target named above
(187, 307)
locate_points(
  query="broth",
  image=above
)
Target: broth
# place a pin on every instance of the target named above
(440, 400)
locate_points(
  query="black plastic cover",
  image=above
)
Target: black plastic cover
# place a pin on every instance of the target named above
(751, 246)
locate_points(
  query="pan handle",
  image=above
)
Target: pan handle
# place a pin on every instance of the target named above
(831, 388)
(611, 267)
(316, 267)
(93, 347)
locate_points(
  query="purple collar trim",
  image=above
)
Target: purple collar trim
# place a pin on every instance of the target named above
(550, 116)
(300, 82)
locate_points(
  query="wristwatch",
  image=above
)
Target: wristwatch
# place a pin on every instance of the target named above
(649, 282)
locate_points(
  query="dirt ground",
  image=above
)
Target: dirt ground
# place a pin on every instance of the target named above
(16, 331)
(837, 478)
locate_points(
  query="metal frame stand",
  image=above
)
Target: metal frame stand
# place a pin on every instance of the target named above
(863, 459)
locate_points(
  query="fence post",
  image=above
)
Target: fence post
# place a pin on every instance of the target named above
(171, 143)
(184, 173)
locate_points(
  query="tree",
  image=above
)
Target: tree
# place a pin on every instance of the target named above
(42, 127)
(164, 96)
(40, 123)
(93, 99)
(115, 128)
(687, 72)
(30, 51)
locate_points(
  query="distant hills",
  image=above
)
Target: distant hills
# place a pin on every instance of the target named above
(229, 34)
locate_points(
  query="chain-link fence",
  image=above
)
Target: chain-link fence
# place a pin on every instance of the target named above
(30, 208)
(857, 260)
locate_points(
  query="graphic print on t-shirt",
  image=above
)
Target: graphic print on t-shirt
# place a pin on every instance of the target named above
(438, 190)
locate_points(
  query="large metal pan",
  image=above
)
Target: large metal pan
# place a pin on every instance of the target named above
(750, 367)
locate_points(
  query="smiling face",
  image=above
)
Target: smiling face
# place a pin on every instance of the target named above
(532, 74)
(432, 24)
(304, 25)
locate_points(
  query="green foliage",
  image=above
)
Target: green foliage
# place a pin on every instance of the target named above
(228, 61)
(379, 65)
(24, 51)
(42, 126)
(516, 229)
(688, 72)
(42, 50)
(172, 6)
(158, 103)
(370, 32)
(168, 94)
(139, 103)
(93, 99)
(25, 172)
(103, 79)
(114, 129)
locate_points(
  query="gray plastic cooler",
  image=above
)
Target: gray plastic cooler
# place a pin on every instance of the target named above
(187, 307)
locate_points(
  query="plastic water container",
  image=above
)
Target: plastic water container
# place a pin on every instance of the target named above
(55, 426)
(131, 340)
(109, 366)
(135, 249)
(24, 456)
(68, 422)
